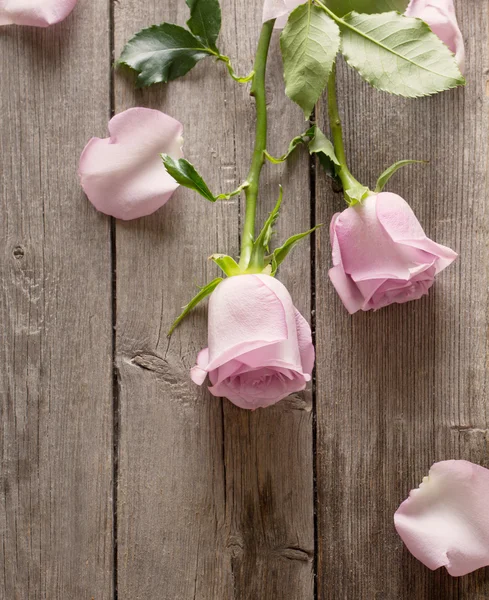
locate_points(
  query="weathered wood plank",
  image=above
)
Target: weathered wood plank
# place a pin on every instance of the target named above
(55, 314)
(268, 453)
(404, 387)
(213, 502)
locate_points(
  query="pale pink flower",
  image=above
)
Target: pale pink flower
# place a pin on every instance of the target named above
(279, 10)
(381, 254)
(260, 347)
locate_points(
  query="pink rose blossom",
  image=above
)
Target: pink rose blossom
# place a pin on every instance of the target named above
(381, 254)
(279, 10)
(38, 13)
(260, 347)
(440, 16)
(123, 175)
(445, 522)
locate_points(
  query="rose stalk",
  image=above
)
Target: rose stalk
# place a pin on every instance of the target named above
(260, 347)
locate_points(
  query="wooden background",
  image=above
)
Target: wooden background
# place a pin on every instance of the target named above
(121, 479)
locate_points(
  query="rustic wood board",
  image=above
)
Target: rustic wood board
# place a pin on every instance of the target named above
(404, 387)
(55, 315)
(212, 502)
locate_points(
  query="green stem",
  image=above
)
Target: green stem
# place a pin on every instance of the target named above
(347, 179)
(227, 61)
(258, 158)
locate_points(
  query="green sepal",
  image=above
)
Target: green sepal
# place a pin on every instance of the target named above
(161, 53)
(343, 7)
(388, 173)
(185, 174)
(227, 264)
(356, 193)
(279, 254)
(262, 242)
(203, 293)
(205, 21)
(309, 44)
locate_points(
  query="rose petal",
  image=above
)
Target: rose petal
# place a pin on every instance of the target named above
(347, 290)
(445, 522)
(123, 175)
(367, 251)
(401, 224)
(37, 13)
(199, 372)
(245, 314)
(306, 348)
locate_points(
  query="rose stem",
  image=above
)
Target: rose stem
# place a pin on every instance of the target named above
(344, 174)
(258, 158)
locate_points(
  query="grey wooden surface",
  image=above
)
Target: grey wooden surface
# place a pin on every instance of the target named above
(120, 478)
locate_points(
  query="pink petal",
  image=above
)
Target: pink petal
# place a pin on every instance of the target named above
(440, 16)
(445, 522)
(401, 224)
(123, 175)
(347, 290)
(198, 373)
(306, 348)
(245, 314)
(38, 13)
(367, 251)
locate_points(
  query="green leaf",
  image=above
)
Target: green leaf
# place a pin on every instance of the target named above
(203, 293)
(162, 53)
(185, 174)
(227, 264)
(309, 44)
(343, 7)
(398, 54)
(388, 173)
(205, 21)
(279, 254)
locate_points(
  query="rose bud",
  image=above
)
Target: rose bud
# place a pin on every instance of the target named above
(381, 254)
(123, 175)
(260, 347)
(440, 16)
(445, 522)
(38, 13)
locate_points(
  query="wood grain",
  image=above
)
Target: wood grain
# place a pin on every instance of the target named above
(407, 386)
(55, 314)
(213, 502)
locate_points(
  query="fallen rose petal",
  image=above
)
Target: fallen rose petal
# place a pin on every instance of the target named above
(445, 522)
(38, 13)
(123, 175)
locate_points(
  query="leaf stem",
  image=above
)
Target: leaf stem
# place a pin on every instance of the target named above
(258, 158)
(347, 179)
(227, 61)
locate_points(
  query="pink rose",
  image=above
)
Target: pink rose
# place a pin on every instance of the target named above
(123, 175)
(381, 254)
(260, 347)
(440, 16)
(39, 13)
(445, 522)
